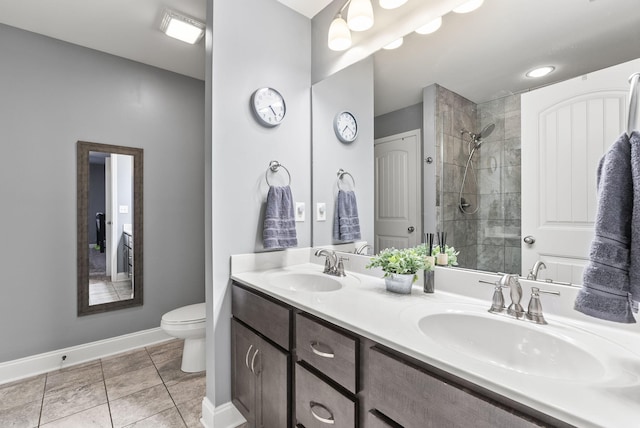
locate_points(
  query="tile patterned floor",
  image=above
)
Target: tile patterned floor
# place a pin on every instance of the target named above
(141, 388)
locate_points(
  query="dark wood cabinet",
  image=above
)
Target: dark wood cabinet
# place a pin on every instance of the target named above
(293, 368)
(412, 397)
(261, 370)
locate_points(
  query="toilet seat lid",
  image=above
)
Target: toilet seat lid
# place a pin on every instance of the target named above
(186, 314)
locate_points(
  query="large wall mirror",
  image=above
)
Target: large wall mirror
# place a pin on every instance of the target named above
(110, 231)
(470, 75)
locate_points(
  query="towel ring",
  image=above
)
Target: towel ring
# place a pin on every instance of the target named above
(341, 173)
(274, 166)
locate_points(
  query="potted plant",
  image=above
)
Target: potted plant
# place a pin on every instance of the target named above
(400, 267)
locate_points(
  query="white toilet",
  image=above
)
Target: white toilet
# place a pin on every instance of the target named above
(188, 323)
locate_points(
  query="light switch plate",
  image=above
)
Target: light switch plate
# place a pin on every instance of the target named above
(321, 211)
(300, 211)
(123, 209)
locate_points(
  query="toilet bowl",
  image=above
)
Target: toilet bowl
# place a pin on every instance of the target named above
(188, 323)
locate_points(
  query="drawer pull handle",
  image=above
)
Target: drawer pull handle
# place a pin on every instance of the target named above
(328, 420)
(314, 344)
(253, 360)
(246, 357)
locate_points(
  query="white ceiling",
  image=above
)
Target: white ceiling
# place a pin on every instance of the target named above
(482, 55)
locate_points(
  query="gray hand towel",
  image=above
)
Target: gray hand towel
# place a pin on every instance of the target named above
(606, 285)
(634, 255)
(346, 224)
(279, 222)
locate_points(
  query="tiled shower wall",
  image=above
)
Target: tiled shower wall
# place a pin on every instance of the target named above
(488, 238)
(455, 113)
(499, 187)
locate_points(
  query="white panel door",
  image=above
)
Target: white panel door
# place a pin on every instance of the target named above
(566, 128)
(397, 193)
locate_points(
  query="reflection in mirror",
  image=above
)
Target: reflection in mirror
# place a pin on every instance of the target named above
(109, 217)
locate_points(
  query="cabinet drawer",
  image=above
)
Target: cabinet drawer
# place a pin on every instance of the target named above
(267, 317)
(413, 398)
(318, 405)
(328, 350)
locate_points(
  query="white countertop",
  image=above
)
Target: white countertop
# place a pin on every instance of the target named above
(363, 306)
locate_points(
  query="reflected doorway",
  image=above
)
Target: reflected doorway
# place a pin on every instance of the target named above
(109, 222)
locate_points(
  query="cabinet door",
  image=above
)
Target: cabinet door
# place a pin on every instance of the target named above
(272, 367)
(415, 399)
(243, 381)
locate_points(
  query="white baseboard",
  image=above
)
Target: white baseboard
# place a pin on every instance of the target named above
(49, 361)
(223, 416)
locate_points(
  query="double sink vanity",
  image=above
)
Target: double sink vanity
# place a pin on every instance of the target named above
(315, 350)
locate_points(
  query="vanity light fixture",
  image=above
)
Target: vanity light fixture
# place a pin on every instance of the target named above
(395, 44)
(181, 27)
(360, 15)
(540, 71)
(391, 4)
(469, 6)
(339, 34)
(430, 27)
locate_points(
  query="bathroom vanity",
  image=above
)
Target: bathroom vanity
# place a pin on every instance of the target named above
(311, 350)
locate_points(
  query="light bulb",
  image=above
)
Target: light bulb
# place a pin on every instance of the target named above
(360, 15)
(430, 27)
(339, 35)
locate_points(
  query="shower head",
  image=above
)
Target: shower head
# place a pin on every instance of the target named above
(476, 139)
(487, 130)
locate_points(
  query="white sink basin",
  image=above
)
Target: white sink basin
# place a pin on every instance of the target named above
(538, 350)
(305, 281)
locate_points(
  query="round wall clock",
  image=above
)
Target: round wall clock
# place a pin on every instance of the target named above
(346, 127)
(268, 107)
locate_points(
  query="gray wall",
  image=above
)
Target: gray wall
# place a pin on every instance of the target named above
(244, 61)
(54, 94)
(398, 121)
(350, 89)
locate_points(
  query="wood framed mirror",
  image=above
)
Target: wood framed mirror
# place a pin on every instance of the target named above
(110, 229)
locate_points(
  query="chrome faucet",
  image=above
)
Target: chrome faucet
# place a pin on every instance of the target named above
(332, 266)
(515, 309)
(362, 249)
(533, 273)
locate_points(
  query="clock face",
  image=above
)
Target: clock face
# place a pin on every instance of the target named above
(268, 106)
(346, 127)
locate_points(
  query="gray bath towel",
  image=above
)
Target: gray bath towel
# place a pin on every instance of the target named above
(346, 224)
(606, 281)
(279, 222)
(634, 256)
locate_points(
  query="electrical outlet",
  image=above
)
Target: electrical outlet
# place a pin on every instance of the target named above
(123, 209)
(321, 211)
(300, 211)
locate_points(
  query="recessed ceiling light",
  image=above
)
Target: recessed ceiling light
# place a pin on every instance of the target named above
(430, 27)
(395, 44)
(469, 6)
(181, 27)
(540, 71)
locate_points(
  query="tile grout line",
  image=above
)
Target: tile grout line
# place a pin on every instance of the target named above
(106, 393)
(44, 390)
(165, 386)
